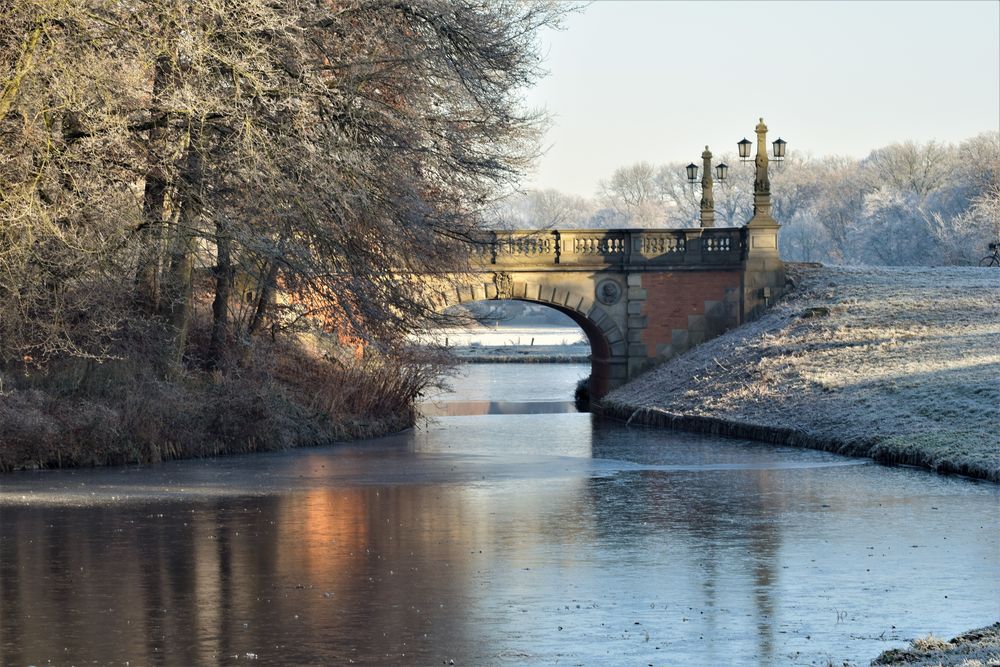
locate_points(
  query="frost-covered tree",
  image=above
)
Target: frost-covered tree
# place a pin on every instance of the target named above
(632, 191)
(329, 149)
(541, 209)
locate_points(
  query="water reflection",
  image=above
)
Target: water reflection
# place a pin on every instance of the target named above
(320, 577)
(468, 408)
(729, 542)
(494, 539)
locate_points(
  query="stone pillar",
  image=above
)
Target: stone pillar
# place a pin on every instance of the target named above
(761, 183)
(636, 321)
(707, 200)
(763, 270)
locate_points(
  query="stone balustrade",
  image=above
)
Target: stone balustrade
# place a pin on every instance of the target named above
(612, 248)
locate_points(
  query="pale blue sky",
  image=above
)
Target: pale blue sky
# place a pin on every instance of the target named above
(656, 81)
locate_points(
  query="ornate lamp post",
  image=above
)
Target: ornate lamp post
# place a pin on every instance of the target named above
(761, 183)
(707, 199)
(763, 270)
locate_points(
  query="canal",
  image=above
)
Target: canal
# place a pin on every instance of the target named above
(505, 529)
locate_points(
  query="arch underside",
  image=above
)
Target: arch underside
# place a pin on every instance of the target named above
(608, 358)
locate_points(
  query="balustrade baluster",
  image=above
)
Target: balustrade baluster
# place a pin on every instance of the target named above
(613, 247)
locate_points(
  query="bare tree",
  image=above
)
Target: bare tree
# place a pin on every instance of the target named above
(911, 167)
(542, 209)
(632, 191)
(327, 152)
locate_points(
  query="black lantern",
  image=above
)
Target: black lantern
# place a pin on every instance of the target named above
(744, 147)
(779, 149)
(692, 170)
(722, 171)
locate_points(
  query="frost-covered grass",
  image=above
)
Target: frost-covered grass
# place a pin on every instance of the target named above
(901, 364)
(976, 648)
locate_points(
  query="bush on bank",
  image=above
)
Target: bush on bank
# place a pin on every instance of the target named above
(125, 410)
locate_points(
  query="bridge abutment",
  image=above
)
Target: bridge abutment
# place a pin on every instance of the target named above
(676, 310)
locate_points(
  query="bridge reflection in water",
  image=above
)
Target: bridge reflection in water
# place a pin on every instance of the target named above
(468, 408)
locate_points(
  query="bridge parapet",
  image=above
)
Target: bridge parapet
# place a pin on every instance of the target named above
(612, 248)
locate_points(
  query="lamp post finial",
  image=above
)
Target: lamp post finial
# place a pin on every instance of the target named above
(761, 183)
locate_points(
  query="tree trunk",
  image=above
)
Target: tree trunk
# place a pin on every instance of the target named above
(147, 277)
(223, 292)
(265, 294)
(177, 309)
(264, 297)
(13, 85)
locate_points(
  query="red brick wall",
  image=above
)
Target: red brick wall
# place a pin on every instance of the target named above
(671, 297)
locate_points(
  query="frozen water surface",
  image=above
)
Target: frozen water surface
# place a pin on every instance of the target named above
(487, 538)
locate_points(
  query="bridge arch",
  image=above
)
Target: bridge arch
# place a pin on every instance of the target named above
(608, 352)
(640, 296)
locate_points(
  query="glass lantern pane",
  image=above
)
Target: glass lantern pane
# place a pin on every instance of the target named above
(779, 148)
(744, 147)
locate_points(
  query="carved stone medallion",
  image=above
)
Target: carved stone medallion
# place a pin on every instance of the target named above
(504, 284)
(608, 292)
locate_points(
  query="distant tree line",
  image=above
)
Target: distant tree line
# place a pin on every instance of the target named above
(904, 204)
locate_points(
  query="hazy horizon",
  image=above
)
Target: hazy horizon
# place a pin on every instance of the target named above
(647, 81)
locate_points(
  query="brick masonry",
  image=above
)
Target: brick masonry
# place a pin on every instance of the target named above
(672, 311)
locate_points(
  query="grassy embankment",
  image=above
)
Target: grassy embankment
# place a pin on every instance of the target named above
(123, 410)
(898, 364)
(976, 648)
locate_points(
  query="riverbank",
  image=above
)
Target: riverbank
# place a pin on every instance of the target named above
(901, 365)
(976, 648)
(80, 413)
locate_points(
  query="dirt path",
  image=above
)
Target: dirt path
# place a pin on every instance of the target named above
(900, 364)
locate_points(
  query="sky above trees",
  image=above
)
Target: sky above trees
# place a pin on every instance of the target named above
(657, 81)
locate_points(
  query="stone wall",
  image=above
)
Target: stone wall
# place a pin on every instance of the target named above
(672, 311)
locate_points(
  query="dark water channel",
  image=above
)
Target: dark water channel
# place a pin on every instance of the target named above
(485, 538)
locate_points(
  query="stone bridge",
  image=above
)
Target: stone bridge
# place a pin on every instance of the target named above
(640, 295)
